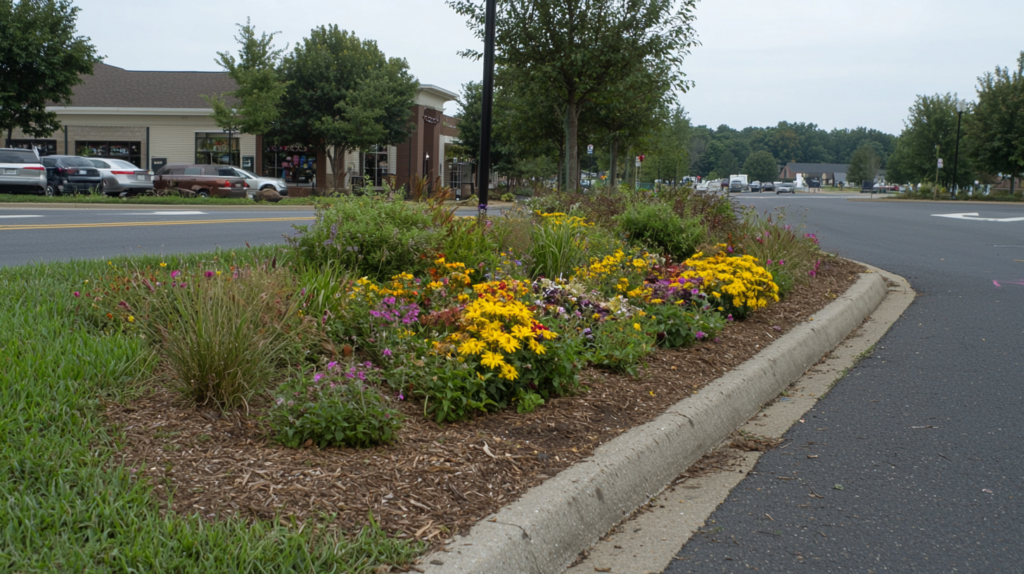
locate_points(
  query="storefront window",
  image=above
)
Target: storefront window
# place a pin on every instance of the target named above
(292, 163)
(214, 148)
(375, 165)
(45, 147)
(124, 150)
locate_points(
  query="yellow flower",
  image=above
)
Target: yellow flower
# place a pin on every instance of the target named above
(537, 347)
(492, 360)
(162, 264)
(471, 347)
(508, 372)
(131, 319)
(636, 326)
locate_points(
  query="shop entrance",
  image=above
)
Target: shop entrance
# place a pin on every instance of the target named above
(292, 163)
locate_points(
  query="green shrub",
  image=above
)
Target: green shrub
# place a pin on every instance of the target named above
(224, 337)
(621, 345)
(508, 197)
(336, 408)
(656, 226)
(684, 325)
(466, 241)
(370, 236)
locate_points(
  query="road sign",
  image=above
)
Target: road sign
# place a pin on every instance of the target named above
(638, 160)
(940, 163)
(641, 158)
(590, 149)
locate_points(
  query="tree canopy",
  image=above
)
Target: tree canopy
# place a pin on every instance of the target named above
(864, 165)
(932, 122)
(579, 49)
(996, 125)
(345, 94)
(42, 59)
(761, 166)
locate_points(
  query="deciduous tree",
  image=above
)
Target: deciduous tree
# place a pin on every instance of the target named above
(761, 166)
(996, 125)
(864, 165)
(42, 59)
(344, 94)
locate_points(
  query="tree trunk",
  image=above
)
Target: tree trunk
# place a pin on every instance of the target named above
(573, 155)
(613, 165)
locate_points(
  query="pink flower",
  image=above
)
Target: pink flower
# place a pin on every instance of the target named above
(332, 365)
(317, 377)
(174, 274)
(208, 274)
(387, 352)
(77, 294)
(729, 318)
(401, 397)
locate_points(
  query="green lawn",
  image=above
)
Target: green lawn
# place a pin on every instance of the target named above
(65, 506)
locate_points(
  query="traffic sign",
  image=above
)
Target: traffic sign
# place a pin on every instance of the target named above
(590, 149)
(940, 163)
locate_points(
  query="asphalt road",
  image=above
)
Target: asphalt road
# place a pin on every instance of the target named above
(37, 234)
(917, 462)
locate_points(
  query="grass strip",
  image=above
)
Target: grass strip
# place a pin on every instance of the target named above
(65, 505)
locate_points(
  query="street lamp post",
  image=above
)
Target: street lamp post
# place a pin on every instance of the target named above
(484, 171)
(961, 105)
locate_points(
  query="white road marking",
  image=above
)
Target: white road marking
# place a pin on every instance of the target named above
(175, 213)
(17, 216)
(974, 217)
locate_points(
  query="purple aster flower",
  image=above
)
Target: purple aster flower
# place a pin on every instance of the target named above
(174, 274)
(332, 365)
(387, 352)
(317, 377)
(701, 335)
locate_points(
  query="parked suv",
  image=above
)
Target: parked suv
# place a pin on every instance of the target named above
(121, 177)
(205, 180)
(256, 182)
(70, 174)
(736, 186)
(755, 186)
(21, 171)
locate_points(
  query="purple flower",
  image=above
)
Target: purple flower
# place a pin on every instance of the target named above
(174, 274)
(208, 274)
(401, 397)
(482, 207)
(77, 294)
(729, 318)
(317, 377)
(769, 262)
(387, 352)
(368, 365)
(729, 249)
(361, 376)
(701, 335)
(694, 291)
(332, 365)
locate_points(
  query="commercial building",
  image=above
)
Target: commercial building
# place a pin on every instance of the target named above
(155, 118)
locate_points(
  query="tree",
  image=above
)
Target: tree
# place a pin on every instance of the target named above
(996, 125)
(864, 165)
(727, 164)
(577, 49)
(761, 166)
(257, 73)
(41, 61)
(344, 94)
(670, 158)
(932, 122)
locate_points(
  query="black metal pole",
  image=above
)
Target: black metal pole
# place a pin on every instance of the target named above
(956, 155)
(484, 171)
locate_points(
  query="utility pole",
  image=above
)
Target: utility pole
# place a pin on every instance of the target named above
(486, 111)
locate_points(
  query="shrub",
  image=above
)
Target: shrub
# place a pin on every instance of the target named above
(225, 337)
(681, 325)
(621, 345)
(337, 407)
(466, 241)
(508, 197)
(656, 226)
(369, 235)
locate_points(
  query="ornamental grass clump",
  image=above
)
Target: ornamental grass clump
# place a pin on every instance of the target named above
(784, 249)
(335, 407)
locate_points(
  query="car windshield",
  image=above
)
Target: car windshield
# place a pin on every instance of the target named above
(124, 164)
(76, 162)
(99, 163)
(246, 174)
(16, 156)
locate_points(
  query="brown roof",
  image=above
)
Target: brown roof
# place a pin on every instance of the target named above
(111, 87)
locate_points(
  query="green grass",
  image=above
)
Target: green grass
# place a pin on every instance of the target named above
(65, 505)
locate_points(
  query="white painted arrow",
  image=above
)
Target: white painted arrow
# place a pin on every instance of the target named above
(974, 217)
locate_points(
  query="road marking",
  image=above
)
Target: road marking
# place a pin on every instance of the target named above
(974, 217)
(17, 216)
(175, 213)
(148, 223)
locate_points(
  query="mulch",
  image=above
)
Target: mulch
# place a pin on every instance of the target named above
(436, 480)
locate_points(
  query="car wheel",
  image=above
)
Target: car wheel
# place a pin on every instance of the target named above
(49, 191)
(203, 194)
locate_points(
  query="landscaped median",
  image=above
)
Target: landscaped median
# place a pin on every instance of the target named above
(393, 376)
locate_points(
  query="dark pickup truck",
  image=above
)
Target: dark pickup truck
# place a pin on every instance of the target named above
(203, 180)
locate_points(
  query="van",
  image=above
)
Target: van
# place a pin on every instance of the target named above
(205, 180)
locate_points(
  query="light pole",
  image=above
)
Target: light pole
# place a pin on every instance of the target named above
(484, 171)
(961, 105)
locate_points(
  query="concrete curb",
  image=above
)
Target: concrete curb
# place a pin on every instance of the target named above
(550, 525)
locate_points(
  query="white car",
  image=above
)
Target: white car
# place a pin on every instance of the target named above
(256, 182)
(121, 177)
(21, 170)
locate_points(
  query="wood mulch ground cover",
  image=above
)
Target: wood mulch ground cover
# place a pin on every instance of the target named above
(436, 480)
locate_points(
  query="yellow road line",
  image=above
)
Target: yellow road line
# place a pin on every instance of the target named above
(148, 223)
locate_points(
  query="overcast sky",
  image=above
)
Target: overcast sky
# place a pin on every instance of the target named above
(835, 63)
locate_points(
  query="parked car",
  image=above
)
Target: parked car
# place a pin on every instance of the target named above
(736, 186)
(203, 179)
(725, 184)
(785, 188)
(755, 186)
(21, 170)
(70, 174)
(256, 183)
(767, 186)
(121, 177)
